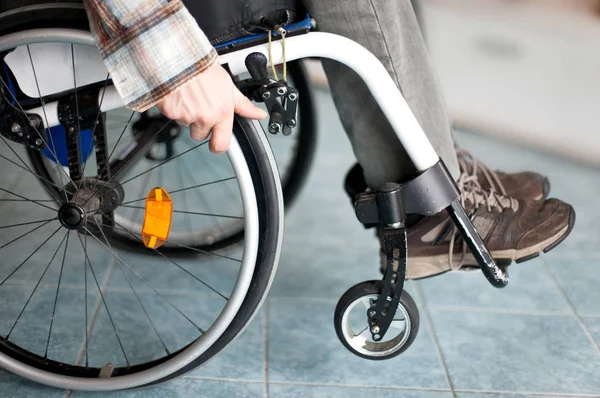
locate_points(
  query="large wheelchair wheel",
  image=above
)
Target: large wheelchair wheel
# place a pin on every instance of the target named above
(293, 154)
(79, 311)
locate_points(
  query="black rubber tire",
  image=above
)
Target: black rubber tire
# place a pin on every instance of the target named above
(267, 253)
(375, 287)
(256, 150)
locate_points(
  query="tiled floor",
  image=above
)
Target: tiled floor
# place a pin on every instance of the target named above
(537, 337)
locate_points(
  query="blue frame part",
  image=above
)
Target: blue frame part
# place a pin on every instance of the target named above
(56, 137)
(305, 24)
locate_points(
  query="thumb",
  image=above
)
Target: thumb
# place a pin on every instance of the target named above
(245, 108)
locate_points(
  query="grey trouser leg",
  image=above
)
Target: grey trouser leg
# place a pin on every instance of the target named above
(389, 29)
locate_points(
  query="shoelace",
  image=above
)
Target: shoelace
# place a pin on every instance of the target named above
(467, 161)
(471, 191)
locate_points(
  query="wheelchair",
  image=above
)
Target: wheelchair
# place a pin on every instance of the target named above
(81, 175)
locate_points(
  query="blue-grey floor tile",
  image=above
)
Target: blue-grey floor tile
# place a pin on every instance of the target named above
(491, 395)
(584, 241)
(12, 385)
(299, 391)
(530, 290)
(30, 266)
(185, 388)
(580, 279)
(200, 274)
(304, 348)
(135, 334)
(593, 325)
(243, 359)
(59, 338)
(519, 353)
(325, 268)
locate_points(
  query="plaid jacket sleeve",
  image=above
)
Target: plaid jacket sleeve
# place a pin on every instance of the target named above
(150, 47)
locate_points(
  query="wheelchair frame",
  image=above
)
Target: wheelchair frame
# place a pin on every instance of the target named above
(430, 192)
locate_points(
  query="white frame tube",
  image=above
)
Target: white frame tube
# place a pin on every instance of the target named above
(341, 49)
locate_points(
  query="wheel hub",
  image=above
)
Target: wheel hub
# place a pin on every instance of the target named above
(94, 195)
(71, 216)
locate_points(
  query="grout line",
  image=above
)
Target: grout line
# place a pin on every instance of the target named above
(438, 348)
(141, 291)
(568, 300)
(451, 308)
(308, 384)
(445, 308)
(222, 379)
(530, 394)
(370, 387)
(266, 345)
(92, 321)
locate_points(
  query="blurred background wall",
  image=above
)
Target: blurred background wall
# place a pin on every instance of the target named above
(525, 70)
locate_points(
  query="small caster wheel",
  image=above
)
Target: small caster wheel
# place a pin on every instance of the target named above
(351, 323)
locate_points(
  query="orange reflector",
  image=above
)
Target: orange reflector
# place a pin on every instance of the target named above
(157, 218)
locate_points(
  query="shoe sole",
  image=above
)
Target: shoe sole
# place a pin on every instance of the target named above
(436, 265)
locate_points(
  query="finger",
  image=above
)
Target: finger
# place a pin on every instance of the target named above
(221, 135)
(199, 132)
(182, 123)
(245, 108)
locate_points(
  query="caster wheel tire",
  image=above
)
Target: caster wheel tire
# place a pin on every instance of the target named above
(351, 325)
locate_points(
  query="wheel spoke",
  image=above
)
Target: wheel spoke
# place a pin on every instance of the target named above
(211, 167)
(27, 223)
(85, 327)
(113, 176)
(191, 212)
(36, 286)
(31, 255)
(165, 161)
(76, 106)
(53, 148)
(87, 259)
(89, 148)
(27, 167)
(62, 266)
(188, 221)
(32, 173)
(133, 290)
(184, 189)
(146, 282)
(26, 233)
(180, 267)
(177, 244)
(26, 199)
(160, 178)
(119, 140)
(200, 197)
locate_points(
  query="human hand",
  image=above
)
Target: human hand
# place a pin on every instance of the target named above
(207, 105)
